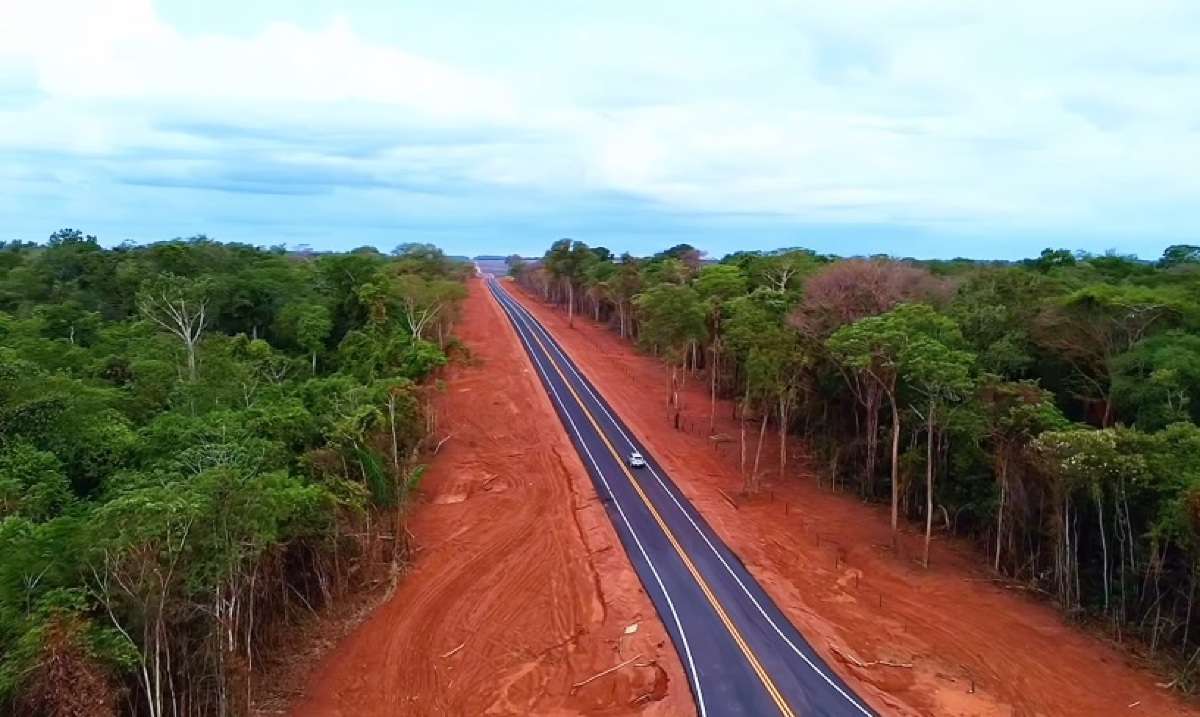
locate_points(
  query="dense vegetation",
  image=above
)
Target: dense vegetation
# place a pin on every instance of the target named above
(199, 442)
(1048, 408)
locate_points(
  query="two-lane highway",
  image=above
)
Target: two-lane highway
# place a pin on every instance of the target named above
(741, 654)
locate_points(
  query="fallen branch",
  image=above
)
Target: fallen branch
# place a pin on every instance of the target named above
(859, 663)
(451, 653)
(1007, 584)
(729, 499)
(610, 670)
(1028, 588)
(642, 698)
(438, 447)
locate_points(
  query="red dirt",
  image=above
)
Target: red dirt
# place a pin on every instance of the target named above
(520, 587)
(976, 647)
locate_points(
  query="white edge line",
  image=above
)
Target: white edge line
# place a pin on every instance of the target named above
(670, 603)
(675, 500)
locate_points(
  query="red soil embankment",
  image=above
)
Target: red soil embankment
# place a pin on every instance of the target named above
(960, 643)
(520, 588)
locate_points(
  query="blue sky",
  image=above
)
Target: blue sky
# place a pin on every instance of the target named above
(931, 128)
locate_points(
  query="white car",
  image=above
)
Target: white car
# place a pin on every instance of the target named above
(636, 460)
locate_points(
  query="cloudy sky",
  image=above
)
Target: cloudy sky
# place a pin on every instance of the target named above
(911, 127)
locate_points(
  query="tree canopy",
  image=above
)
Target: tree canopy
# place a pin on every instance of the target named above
(1046, 408)
(198, 441)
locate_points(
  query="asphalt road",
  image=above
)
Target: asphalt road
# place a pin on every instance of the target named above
(741, 654)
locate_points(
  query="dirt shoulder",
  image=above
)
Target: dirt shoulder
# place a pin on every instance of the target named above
(957, 642)
(520, 588)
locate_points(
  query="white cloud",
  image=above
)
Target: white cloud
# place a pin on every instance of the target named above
(121, 50)
(959, 113)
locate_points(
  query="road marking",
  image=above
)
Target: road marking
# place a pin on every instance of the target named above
(695, 675)
(768, 683)
(570, 364)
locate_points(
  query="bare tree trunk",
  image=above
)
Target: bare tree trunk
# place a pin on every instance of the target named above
(398, 481)
(677, 378)
(871, 433)
(762, 431)
(191, 360)
(674, 400)
(570, 304)
(785, 411)
(783, 422)
(1000, 509)
(1070, 562)
(712, 410)
(314, 363)
(395, 442)
(1103, 546)
(928, 483)
(742, 453)
(1187, 623)
(895, 471)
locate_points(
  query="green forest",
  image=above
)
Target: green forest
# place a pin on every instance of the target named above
(200, 444)
(1045, 409)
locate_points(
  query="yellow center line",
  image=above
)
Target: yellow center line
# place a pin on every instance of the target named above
(704, 587)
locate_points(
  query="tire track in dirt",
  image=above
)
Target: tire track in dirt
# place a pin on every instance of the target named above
(577, 504)
(520, 588)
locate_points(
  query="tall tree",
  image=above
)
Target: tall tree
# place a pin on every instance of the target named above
(310, 324)
(940, 374)
(1015, 412)
(672, 320)
(1178, 254)
(568, 261)
(516, 266)
(878, 350)
(1090, 327)
(717, 285)
(623, 287)
(1157, 381)
(179, 306)
(784, 270)
(776, 361)
(598, 280)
